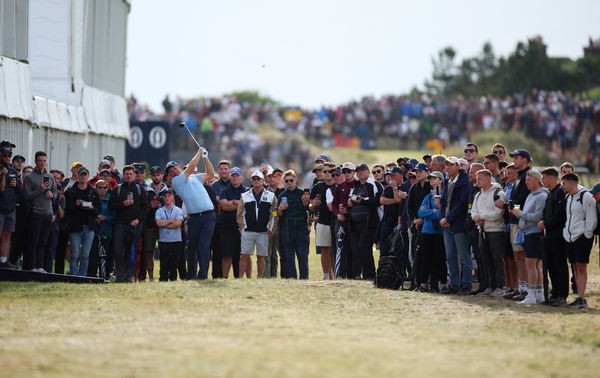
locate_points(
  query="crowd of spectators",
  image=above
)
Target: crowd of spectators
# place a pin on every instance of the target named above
(554, 118)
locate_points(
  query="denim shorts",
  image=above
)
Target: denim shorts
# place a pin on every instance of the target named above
(8, 221)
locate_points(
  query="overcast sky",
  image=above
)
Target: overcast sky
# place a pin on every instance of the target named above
(315, 52)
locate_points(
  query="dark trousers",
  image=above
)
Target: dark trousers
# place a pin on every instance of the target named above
(200, 230)
(432, 260)
(555, 260)
(169, 256)
(181, 260)
(122, 239)
(217, 255)
(37, 236)
(482, 277)
(386, 227)
(231, 246)
(18, 239)
(150, 236)
(361, 241)
(343, 255)
(294, 235)
(50, 252)
(491, 245)
(61, 252)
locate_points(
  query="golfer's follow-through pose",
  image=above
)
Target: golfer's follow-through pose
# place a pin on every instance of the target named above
(189, 185)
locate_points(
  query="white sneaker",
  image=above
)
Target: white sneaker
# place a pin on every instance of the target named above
(486, 293)
(34, 270)
(42, 270)
(539, 296)
(497, 293)
(529, 300)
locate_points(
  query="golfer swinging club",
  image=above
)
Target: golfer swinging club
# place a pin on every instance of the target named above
(189, 185)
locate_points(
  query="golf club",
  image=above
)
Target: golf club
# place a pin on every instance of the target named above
(182, 124)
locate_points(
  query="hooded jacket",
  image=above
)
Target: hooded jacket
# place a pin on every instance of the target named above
(484, 207)
(554, 213)
(533, 211)
(456, 213)
(581, 215)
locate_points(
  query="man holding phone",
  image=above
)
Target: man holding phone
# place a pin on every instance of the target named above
(39, 188)
(8, 201)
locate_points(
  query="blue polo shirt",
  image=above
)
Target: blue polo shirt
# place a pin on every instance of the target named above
(192, 193)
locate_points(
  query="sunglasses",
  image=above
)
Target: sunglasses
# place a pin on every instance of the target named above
(7, 154)
(83, 174)
(140, 172)
(376, 172)
(499, 152)
(101, 187)
(327, 172)
(335, 174)
(346, 171)
(469, 150)
(256, 178)
(289, 180)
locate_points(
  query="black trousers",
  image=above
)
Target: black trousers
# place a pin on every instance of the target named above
(231, 246)
(169, 257)
(361, 241)
(38, 231)
(182, 260)
(491, 245)
(558, 268)
(61, 252)
(343, 258)
(18, 239)
(122, 238)
(481, 271)
(432, 260)
(217, 255)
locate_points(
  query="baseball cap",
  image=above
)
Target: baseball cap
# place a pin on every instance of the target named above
(83, 170)
(277, 170)
(426, 156)
(322, 157)
(235, 171)
(463, 161)
(168, 190)
(103, 162)
(437, 174)
(520, 152)
(318, 167)
(75, 164)
(155, 169)
(109, 158)
(349, 165)
(404, 159)
(18, 157)
(413, 162)
(139, 167)
(411, 173)
(362, 166)
(6, 143)
(5, 149)
(104, 171)
(452, 160)
(170, 164)
(595, 189)
(258, 174)
(422, 167)
(396, 170)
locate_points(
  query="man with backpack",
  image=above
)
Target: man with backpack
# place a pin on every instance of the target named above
(579, 229)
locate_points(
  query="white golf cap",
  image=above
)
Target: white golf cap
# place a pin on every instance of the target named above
(452, 160)
(349, 165)
(258, 174)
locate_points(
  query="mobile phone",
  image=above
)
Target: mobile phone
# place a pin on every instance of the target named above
(46, 179)
(129, 195)
(511, 204)
(306, 191)
(437, 190)
(86, 204)
(284, 200)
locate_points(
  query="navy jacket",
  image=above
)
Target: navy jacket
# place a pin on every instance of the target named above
(457, 213)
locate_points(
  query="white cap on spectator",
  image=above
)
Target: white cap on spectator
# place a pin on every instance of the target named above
(452, 160)
(258, 174)
(349, 165)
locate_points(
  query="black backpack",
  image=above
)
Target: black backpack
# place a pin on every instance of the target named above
(390, 273)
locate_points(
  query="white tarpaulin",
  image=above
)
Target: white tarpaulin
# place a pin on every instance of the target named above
(15, 88)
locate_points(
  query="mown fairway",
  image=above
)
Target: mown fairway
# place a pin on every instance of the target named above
(286, 328)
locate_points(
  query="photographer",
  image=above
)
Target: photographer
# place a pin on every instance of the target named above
(40, 189)
(8, 201)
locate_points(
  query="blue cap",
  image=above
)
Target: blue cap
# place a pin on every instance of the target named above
(168, 190)
(235, 171)
(421, 167)
(595, 189)
(413, 162)
(83, 170)
(170, 164)
(523, 153)
(396, 170)
(322, 157)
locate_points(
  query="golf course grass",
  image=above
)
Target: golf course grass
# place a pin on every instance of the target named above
(258, 328)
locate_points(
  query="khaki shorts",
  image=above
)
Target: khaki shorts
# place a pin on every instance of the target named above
(513, 232)
(323, 238)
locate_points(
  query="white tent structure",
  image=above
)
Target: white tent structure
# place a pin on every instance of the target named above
(62, 79)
